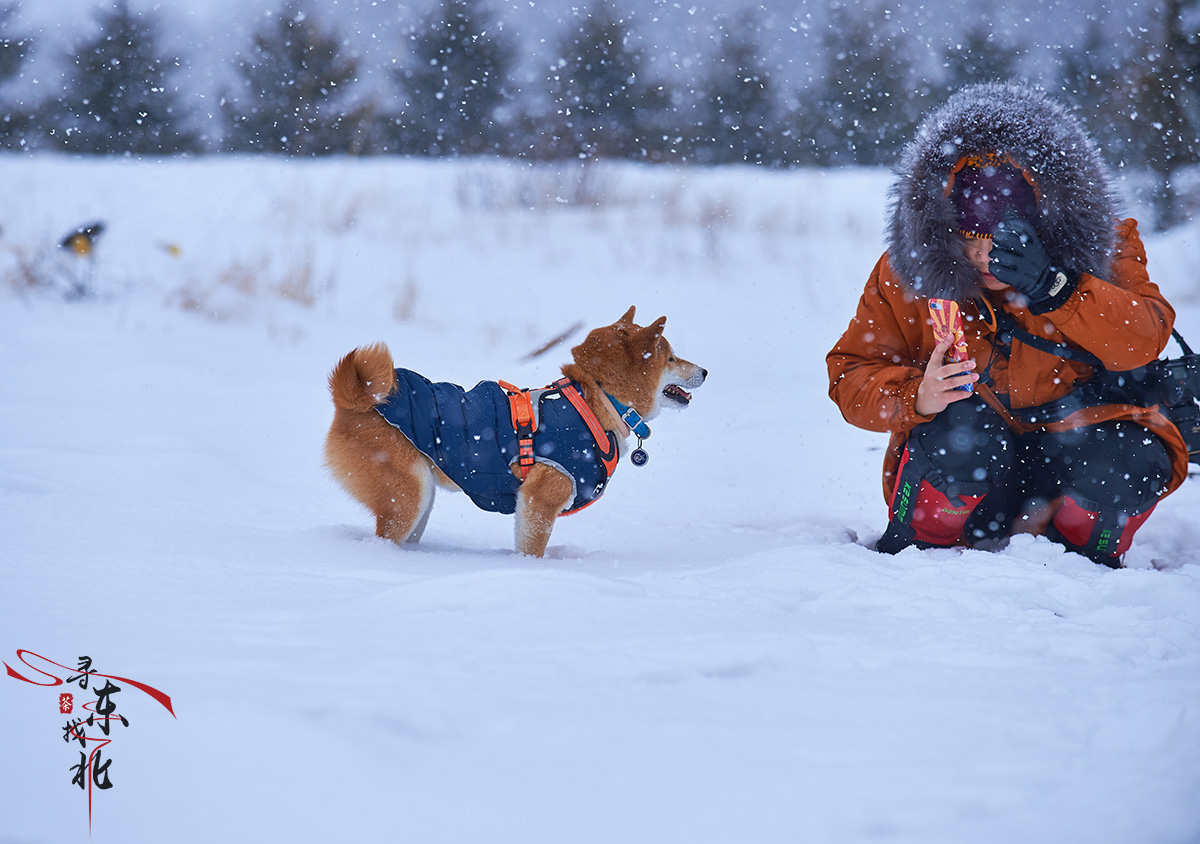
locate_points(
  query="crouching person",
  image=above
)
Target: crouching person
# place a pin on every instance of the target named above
(1002, 206)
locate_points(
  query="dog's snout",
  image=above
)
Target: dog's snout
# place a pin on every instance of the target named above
(692, 376)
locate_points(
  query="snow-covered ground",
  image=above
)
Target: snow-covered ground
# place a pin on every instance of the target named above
(710, 653)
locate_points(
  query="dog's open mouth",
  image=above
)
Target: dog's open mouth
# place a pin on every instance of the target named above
(678, 394)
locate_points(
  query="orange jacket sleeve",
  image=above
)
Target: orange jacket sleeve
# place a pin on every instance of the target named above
(1124, 320)
(877, 365)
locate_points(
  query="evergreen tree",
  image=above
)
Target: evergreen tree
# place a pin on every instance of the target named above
(979, 57)
(15, 115)
(457, 80)
(600, 103)
(871, 97)
(1141, 100)
(1092, 77)
(1088, 73)
(1164, 94)
(736, 120)
(119, 96)
(297, 91)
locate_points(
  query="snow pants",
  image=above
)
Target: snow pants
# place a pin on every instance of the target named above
(966, 478)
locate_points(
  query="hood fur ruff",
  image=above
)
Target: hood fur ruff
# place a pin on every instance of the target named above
(1077, 212)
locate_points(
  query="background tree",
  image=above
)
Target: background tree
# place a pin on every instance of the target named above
(871, 96)
(1092, 80)
(1163, 96)
(980, 56)
(15, 114)
(1140, 99)
(457, 80)
(297, 91)
(736, 115)
(1089, 74)
(871, 75)
(118, 95)
(601, 105)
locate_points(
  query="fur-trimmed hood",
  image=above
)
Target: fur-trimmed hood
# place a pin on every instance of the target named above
(1077, 211)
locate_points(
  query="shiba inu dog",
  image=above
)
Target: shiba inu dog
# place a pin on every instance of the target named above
(540, 454)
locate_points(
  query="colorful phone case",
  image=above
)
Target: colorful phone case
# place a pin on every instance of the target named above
(947, 321)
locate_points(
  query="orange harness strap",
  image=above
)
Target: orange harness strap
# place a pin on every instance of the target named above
(608, 456)
(524, 423)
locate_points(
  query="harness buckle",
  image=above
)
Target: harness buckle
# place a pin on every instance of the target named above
(524, 423)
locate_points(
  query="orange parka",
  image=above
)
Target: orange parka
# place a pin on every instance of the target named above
(877, 365)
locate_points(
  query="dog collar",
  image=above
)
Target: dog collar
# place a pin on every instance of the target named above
(630, 417)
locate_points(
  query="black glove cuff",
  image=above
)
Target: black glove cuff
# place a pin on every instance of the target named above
(1061, 284)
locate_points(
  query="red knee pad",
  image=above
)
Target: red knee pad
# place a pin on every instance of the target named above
(1082, 528)
(935, 518)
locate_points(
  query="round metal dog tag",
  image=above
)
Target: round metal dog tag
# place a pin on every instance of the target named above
(638, 457)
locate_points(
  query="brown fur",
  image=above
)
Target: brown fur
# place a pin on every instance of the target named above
(380, 468)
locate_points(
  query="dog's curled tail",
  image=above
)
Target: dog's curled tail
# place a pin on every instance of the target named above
(363, 378)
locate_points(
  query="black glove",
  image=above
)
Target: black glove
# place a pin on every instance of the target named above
(1019, 260)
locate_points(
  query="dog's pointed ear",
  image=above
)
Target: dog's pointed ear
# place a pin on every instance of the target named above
(648, 336)
(627, 320)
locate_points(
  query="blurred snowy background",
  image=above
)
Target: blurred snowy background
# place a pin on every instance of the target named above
(776, 83)
(712, 652)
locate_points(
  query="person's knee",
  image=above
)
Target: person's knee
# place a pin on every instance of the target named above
(949, 465)
(968, 444)
(1119, 465)
(1114, 480)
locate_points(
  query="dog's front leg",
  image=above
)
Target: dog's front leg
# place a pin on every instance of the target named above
(545, 493)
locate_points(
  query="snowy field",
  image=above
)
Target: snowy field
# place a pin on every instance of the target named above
(710, 653)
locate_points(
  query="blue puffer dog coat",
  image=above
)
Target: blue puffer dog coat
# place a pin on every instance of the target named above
(469, 435)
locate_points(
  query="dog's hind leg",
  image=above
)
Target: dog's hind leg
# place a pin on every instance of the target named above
(419, 529)
(436, 478)
(382, 470)
(402, 510)
(545, 493)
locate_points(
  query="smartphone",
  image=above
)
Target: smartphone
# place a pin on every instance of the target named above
(947, 321)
